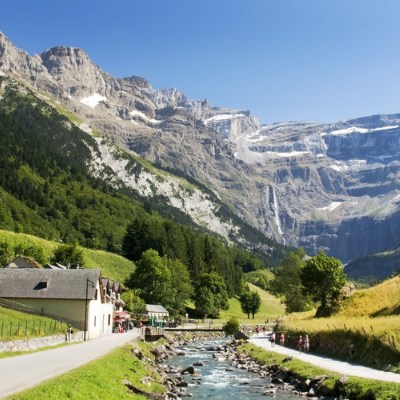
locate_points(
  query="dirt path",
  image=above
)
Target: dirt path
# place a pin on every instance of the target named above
(22, 372)
(330, 364)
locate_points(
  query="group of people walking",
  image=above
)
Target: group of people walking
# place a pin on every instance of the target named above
(303, 344)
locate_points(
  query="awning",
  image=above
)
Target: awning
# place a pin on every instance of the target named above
(119, 315)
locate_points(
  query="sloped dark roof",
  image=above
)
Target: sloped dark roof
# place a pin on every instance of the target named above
(60, 284)
(115, 286)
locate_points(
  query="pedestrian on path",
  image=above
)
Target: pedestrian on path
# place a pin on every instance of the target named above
(306, 344)
(68, 333)
(300, 343)
(272, 339)
(282, 339)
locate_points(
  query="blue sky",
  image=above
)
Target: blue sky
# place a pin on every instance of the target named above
(298, 60)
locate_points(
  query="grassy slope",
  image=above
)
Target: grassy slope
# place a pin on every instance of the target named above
(379, 300)
(369, 320)
(271, 308)
(112, 266)
(22, 325)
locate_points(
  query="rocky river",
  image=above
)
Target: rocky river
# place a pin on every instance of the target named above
(211, 369)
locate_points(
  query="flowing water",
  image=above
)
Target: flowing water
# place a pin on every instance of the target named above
(219, 380)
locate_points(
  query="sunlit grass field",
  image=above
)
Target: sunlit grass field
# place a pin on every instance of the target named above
(111, 265)
(379, 300)
(271, 308)
(371, 312)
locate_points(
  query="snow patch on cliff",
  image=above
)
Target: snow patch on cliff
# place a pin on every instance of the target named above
(331, 207)
(356, 129)
(222, 117)
(142, 116)
(349, 165)
(93, 100)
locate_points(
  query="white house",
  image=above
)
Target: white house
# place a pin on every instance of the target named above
(156, 311)
(74, 295)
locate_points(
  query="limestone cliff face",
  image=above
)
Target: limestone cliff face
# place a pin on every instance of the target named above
(334, 187)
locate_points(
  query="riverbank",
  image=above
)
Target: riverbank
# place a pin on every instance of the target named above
(327, 363)
(310, 380)
(288, 373)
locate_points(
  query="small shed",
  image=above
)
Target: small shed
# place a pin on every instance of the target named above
(157, 312)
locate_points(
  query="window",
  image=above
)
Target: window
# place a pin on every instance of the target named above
(41, 285)
(109, 319)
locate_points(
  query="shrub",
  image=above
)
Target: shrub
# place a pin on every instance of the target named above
(231, 326)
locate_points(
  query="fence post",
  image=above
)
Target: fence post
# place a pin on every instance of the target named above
(2, 325)
(10, 327)
(26, 327)
(33, 327)
(19, 324)
(40, 326)
(394, 344)
(365, 333)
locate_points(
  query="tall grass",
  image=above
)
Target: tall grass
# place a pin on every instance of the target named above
(379, 300)
(385, 329)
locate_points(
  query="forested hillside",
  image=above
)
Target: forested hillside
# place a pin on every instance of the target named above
(46, 189)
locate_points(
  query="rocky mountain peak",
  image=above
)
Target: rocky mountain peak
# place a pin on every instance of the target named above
(60, 56)
(138, 82)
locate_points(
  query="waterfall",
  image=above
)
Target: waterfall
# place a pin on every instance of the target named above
(275, 209)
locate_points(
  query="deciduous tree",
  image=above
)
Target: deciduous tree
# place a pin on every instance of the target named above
(250, 301)
(287, 282)
(322, 278)
(152, 279)
(211, 294)
(69, 255)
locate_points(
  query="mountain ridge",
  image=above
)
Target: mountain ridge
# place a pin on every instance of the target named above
(330, 187)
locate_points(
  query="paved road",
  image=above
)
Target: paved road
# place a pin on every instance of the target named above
(26, 371)
(340, 367)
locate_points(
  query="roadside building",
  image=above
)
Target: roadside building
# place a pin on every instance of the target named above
(156, 313)
(74, 295)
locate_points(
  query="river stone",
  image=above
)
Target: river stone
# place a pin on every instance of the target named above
(188, 370)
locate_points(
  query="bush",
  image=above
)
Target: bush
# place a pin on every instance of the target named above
(232, 326)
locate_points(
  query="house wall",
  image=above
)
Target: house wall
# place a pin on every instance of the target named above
(99, 316)
(72, 311)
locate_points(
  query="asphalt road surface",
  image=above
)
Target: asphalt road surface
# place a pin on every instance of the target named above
(22, 372)
(329, 364)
